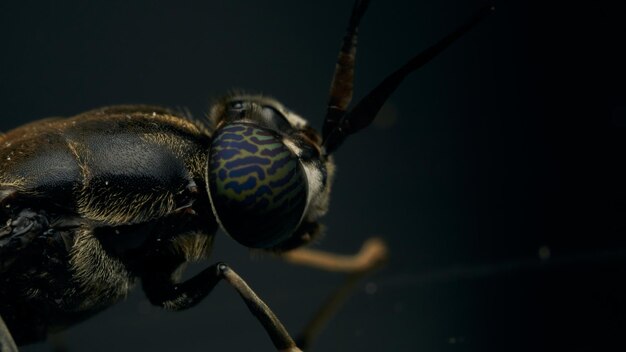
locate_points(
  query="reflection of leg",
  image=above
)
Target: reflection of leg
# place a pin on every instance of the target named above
(372, 255)
(326, 311)
(58, 342)
(161, 291)
(6, 340)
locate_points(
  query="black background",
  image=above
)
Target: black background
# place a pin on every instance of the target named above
(508, 145)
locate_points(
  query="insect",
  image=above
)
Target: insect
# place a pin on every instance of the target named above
(92, 203)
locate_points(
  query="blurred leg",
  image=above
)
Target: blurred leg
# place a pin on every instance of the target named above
(371, 256)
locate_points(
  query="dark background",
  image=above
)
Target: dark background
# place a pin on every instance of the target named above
(506, 149)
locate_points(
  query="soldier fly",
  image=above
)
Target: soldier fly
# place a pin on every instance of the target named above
(94, 202)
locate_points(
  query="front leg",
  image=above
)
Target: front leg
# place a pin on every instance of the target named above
(162, 291)
(6, 340)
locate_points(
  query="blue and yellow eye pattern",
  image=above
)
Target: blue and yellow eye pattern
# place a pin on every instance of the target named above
(257, 185)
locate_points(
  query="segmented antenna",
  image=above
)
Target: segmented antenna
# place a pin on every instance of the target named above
(339, 124)
(342, 84)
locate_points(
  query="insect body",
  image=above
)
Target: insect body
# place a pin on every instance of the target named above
(92, 203)
(82, 198)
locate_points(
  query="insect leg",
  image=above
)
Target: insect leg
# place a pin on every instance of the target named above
(279, 335)
(58, 342)
(187, 294)
(6, 340)
(371, 256)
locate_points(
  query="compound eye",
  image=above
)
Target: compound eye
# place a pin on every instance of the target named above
(257, 186)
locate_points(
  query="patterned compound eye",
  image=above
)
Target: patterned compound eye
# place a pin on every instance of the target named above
(257, 186)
